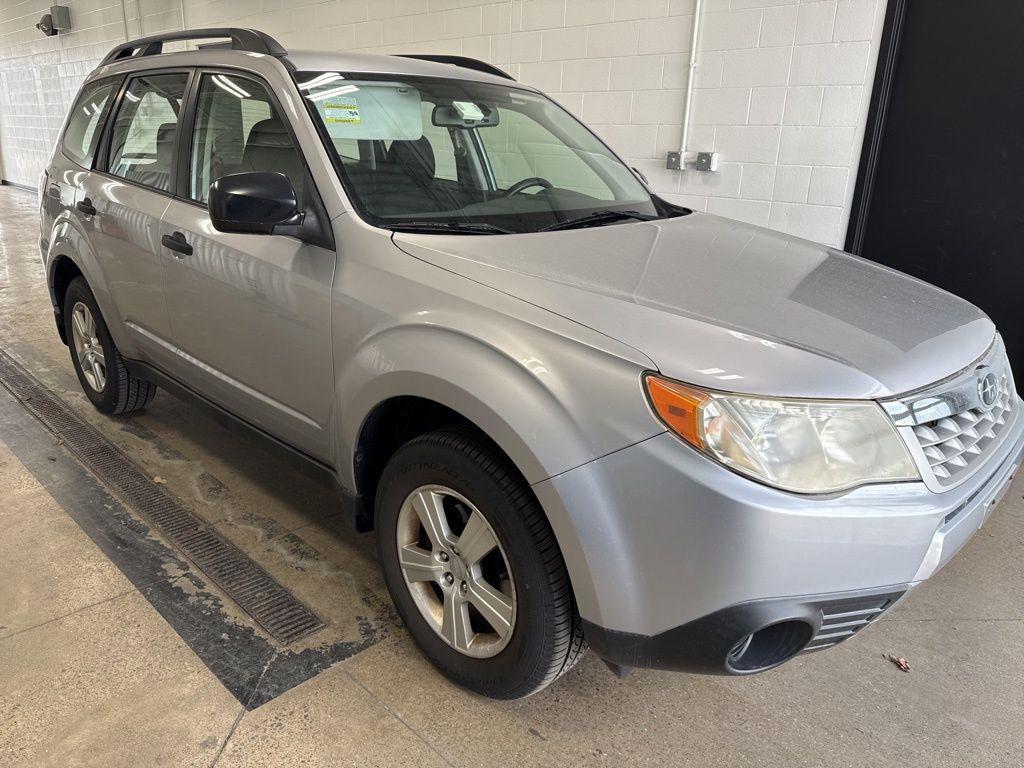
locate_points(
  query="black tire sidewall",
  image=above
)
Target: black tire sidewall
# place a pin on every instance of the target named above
(510, 672)
(104, 401)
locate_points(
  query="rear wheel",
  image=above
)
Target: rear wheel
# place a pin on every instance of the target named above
(98, 363)
(474, 568)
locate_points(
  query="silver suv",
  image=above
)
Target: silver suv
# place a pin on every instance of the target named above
(574, 413)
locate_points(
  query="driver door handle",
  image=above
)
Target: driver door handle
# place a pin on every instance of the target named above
(85, 206)
(176, 242)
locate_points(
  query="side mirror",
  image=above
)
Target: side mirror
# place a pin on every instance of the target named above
(255, 203)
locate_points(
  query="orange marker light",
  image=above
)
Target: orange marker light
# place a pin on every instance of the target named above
(678, 406)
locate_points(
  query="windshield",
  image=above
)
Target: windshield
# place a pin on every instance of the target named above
(440, 155)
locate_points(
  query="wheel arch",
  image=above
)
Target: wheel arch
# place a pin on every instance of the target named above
(63, 269)
(459, 374)
(421, 404)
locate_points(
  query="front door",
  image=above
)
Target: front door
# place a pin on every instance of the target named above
(250, 314)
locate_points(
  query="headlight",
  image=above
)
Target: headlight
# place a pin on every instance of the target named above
(807, 446)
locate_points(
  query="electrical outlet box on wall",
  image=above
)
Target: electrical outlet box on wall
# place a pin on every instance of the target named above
(60, 18)
(701, 161)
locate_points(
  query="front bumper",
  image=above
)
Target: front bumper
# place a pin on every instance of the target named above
(675, 559)
(714, 644)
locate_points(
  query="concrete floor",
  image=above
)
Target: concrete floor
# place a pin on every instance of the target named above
(106, 663)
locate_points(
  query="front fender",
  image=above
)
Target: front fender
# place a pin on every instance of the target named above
(552, 408)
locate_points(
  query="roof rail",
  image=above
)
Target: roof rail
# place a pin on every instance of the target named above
(250, 40)
(459, 61)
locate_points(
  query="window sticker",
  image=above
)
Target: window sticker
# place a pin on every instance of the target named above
(343, 110)
(360, 110)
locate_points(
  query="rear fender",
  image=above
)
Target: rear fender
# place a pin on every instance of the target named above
(69, 240)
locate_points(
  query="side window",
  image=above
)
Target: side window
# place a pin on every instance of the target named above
(142, 138)
(84, 120)
(238, 130)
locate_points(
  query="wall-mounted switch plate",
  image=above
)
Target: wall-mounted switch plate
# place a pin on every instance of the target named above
(700, 161)
(706, 161)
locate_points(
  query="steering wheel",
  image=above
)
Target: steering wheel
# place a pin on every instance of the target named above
(533, 181)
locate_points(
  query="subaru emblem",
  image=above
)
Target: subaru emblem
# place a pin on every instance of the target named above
(988, 388)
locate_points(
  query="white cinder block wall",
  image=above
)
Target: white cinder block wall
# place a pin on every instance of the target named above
(782, 85)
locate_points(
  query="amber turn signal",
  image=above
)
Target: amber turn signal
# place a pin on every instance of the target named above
(678, 406)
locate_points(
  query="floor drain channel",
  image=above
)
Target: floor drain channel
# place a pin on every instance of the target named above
(269, 604)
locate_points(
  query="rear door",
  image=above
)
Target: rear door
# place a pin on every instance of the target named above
(122, 200)
(250, 314)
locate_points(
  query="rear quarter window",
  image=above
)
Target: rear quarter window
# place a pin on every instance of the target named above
(82, 131)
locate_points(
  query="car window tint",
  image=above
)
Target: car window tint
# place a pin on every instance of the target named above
(238, 130)
(84, 120)
(142, 138)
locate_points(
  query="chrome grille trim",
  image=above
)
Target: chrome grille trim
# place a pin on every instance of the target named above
(949, 431)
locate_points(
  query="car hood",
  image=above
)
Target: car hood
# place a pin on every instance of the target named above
(730, 306)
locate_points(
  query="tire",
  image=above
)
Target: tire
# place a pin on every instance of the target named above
(120, 392)
(546, 638)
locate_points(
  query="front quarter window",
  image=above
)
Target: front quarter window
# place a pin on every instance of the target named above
(441, 155)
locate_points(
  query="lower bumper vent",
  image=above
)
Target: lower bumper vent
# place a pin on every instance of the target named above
(842, 619)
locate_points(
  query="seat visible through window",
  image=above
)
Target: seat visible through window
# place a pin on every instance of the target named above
(269, 147)
(238, 130)
(404, 180)
(142, 137)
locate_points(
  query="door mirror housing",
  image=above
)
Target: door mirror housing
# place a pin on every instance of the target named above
(254, 203)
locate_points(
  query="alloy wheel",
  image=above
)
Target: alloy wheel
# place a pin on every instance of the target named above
(456, 571)
(87, 345)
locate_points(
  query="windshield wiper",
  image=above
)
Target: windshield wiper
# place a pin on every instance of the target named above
(598, 217)
(452, 227)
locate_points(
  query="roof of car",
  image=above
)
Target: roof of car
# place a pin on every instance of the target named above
(144, 50)
(390, 64)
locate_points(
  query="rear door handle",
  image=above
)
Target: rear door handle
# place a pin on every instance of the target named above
(85, 206)
(176, 242)
(53, 191)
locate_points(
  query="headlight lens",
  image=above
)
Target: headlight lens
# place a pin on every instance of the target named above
(807, 446)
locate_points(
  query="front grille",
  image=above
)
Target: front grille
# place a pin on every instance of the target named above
(844, 618)
(953, 427)
(955, 444)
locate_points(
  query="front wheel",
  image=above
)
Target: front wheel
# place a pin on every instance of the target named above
(98, 363)
(474, 568)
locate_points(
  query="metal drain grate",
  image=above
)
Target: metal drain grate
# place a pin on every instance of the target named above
(268, 603)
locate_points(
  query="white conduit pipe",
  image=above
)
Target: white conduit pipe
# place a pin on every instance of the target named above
(698, 8)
